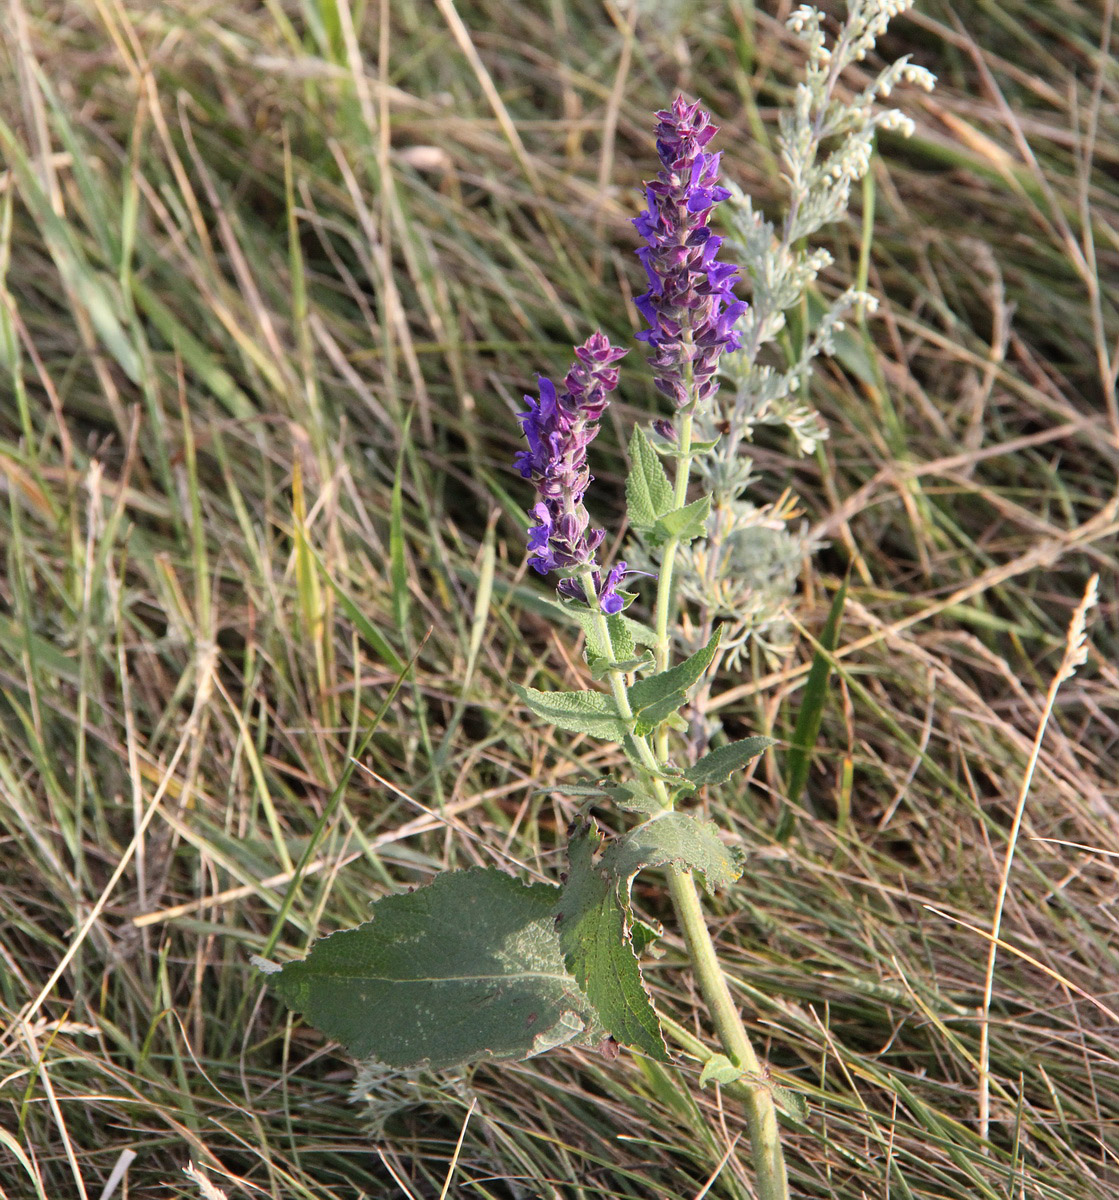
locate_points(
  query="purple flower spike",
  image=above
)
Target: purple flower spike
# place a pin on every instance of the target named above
(690, 305)
(559, 427)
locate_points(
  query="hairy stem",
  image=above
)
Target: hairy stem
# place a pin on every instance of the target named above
(761, 1112)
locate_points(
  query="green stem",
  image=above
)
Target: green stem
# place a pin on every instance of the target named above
(618, 688)
(761, 1112)
(668, 558)
(663, 647)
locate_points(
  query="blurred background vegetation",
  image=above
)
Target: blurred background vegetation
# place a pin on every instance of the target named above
(274, 275)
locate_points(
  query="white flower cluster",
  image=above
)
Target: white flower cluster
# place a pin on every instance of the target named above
(745, 571)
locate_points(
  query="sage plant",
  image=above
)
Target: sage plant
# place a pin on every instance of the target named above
(477, 965)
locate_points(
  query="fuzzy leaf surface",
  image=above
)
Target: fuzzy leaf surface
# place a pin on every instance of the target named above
(660, 689)
(648, 492)
(721, 764)
(719, 1069)
(639, 633)
(679, 840)
(465, 969)
(594, 929)
(631, 796)
(577, 712)
(685, 524)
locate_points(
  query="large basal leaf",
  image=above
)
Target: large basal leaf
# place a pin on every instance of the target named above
(679, 840)
(721, 764)
(594, 928)
(465, 969)
(649, 494)
(577, 712)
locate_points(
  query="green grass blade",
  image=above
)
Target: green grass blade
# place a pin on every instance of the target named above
(807, 730)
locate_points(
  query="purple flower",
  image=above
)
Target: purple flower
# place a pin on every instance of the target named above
(559, 427)
(690, 305)
(608, 596)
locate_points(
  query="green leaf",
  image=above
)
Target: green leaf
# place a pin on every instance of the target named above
(721, 764)
(719, 1069)
(621, 639)
(684, 524)
(811, 713)
(398, 562)
(694, 451)
(645, 937)
(623, 651)
(657, 688)
(648, 492)
(466, 969)
(663, 710)
(679, 840)
(577, 712)
(584, 617)
(789, 1102)
(593, 918)
(601, 667)
(632, 797)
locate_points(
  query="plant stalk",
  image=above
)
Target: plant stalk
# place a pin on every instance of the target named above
(761, 1112)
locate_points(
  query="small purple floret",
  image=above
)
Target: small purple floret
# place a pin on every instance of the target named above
(559, 426)
(690, 305)
(608, 597)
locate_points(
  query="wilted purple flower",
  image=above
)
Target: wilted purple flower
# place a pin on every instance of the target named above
(690, 304)
(559, 427)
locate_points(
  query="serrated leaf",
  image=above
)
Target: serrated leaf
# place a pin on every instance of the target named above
(621, 640)
(719, 1069)
(622, 654)
(664, 710)
(679, 840)
(647, 692)
(649, 494)
(587, 621)
(719, 765)
(466, 969)
(593, 919)
(684, 524)
(577, 712)
(632, 797)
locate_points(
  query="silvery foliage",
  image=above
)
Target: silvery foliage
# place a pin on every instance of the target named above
(745, 572)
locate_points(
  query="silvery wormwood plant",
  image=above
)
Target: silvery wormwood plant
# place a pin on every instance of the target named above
(477, 966)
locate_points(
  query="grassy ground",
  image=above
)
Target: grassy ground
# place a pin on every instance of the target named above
(239, 245)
